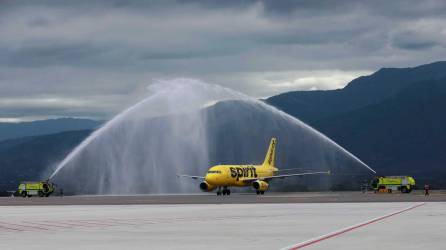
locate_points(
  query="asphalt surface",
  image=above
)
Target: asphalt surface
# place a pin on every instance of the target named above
(235, 198)
(346, 226)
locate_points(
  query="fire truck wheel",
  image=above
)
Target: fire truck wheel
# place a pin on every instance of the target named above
(24, 194)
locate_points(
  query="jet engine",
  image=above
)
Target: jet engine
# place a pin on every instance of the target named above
(260, 185)
(206, 187)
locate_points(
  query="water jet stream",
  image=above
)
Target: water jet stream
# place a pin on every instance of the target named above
(184, 126)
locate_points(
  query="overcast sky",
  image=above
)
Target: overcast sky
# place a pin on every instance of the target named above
(94, 58)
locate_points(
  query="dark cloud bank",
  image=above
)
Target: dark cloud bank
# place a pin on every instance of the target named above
(93, 58)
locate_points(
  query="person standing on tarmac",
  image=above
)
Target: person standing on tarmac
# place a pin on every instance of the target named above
(426, 190)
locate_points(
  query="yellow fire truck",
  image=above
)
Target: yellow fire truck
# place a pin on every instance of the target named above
(40, 188)
(387, 184)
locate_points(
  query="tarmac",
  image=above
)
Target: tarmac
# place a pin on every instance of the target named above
(334, 220)
(235, 198)
(402, 225)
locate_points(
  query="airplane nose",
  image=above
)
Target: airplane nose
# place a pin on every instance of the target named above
(211, 179)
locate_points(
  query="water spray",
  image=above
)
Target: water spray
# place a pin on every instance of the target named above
(184, 126)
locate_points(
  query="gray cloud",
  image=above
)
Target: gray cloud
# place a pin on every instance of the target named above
(102, 54)
(43, 54)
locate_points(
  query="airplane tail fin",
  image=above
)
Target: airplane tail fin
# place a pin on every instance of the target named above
(270, 157)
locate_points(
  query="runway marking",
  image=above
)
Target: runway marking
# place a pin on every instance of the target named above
(93, 222)
(9, 229)
(348, 229)
(123, 222)
(48, 224)
(55, 225)
(24, 226)
(67, 223)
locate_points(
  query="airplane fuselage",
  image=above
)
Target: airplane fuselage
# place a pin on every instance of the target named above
(236, 175)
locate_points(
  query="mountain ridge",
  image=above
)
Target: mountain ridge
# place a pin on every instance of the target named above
(311, 106)
(42, 127)
(402, 133)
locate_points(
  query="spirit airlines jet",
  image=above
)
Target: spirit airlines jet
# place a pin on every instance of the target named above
(257, 176)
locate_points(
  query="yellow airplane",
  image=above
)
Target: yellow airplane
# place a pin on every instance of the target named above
(257, 176)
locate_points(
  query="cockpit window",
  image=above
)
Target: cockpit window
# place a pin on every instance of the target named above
(214, 172)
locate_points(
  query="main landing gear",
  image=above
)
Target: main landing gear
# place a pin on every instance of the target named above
(260, 192)
(225, 191)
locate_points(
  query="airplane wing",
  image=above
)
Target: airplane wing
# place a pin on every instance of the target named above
(299, 174)
(288, 169)
(191, 176)
(283, 176)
